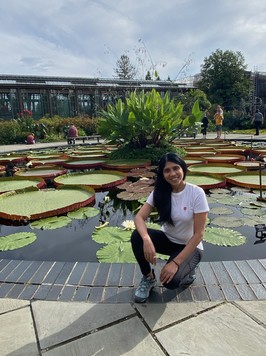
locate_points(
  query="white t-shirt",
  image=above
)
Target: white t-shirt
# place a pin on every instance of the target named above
(190, 201)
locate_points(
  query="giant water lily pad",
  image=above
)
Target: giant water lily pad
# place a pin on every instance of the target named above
(126, 164)
(51, 162)
(248, 180)
(83, 164)
(44, 203)
(43, 172)
(215, 169)
(18, 183)
(98, 179)
(12, 158)
(206, 182)
(223, 237)
(224, 158)
(17, 240)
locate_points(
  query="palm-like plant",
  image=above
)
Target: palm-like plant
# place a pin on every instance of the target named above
(146, 119)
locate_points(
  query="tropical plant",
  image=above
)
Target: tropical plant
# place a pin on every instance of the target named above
(146, 119)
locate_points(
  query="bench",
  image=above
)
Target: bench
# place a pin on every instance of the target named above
(72, 140)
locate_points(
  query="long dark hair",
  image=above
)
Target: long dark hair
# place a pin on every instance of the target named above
(163, 190)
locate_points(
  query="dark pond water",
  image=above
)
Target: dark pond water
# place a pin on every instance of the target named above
(74, 243)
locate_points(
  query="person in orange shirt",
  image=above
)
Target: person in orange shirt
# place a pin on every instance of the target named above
(219, 118)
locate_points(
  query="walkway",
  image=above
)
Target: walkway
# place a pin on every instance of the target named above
(79, 308)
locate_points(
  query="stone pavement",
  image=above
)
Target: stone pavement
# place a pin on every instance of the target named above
(70, 328)
(226, 326)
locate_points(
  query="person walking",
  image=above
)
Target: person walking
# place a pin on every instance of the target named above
(204, 125)
(219, 117)
(258, 120)
(183, 211)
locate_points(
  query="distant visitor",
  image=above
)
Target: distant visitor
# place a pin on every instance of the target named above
(72, 134)
(30, 139)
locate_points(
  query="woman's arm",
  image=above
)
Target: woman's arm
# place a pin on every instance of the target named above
(148, 247)
(200, 220)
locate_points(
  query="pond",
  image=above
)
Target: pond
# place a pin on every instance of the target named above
(74, 242)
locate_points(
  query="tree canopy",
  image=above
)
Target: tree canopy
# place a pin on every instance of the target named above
(124, 69)
(224, 79)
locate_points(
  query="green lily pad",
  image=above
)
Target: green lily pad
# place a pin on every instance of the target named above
(118, 252)
(55, 222)
(17, 240)
(84, 213)
(222, 210)
(111, 234)
(223, 237)
(227, 221)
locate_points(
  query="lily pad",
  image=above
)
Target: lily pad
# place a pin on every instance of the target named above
(17, 240)
(110, 235)
(18, 183)
(44, 203)
(223, 237)
(96, 179)
(227, 221)
(55, 222)
(221, 210)
(204, 181)
(118, 252)
(83, 213)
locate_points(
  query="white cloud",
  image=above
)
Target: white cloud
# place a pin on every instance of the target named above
(86, 37)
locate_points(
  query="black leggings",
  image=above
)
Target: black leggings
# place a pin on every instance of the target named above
(163, 245)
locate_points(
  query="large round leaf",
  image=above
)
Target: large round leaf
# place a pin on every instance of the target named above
(17, 240)
(223, 237)
(98, 179)
(119, 252)
(206, 182)
(111, 234)
(17, 183)
(43, 172)
(83, 213)
(55, 222)
(215, 169)
(248, 180)
(44, 203)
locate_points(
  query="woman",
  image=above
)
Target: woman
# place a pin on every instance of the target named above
(219, 118)
(183, 211)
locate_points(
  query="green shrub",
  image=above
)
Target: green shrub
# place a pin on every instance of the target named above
(150, 152)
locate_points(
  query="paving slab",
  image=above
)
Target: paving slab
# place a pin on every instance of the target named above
(256, 309)
(223, 330)
(17, 335)
(129, 337)
(159, 315)
(8, 304)
(57, 322)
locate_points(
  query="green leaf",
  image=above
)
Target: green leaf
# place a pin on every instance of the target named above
(118, 252)
(51, 223)
(223, 237)
(83, 213)
(110, 235)
(17, 240)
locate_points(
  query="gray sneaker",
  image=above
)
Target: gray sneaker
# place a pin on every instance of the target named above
(143, 291)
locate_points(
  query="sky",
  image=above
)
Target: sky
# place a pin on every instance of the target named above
(85, 38)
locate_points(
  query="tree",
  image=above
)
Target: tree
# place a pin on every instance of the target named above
(148, 76)
(124, 69)
(224, 79)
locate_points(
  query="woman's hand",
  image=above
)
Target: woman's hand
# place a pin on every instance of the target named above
(149, 251)
(168, 271)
